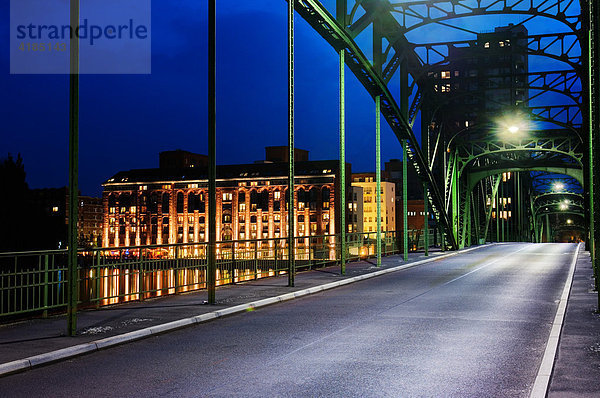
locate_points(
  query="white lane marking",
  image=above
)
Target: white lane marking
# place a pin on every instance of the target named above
(542, 380)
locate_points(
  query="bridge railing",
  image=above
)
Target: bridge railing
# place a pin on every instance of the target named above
(36, 282)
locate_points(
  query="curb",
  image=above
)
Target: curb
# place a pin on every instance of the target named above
(542, 380)
(21, 365)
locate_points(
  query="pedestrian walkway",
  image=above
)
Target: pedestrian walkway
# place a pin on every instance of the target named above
(577, 365)
(38, 336)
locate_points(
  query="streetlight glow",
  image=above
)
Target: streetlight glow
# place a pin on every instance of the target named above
(558, 186)
(513, 129)
(569, 221)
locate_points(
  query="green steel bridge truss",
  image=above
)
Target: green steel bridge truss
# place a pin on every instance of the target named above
(475, 168)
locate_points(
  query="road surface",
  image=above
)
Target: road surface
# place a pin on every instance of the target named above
(471, 325)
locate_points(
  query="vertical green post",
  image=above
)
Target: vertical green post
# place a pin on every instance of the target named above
(291, 212)
(426, 215)
(342, 178)
(212, 153)
(378, 173)
(548, 231)
(592, 242)
(405, 199)
(97, 278)
(498, 213)
(503, 206)
(73, 172)
(176, 270)
(45, 313)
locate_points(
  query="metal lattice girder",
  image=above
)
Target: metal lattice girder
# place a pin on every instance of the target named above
(551, 197)
(563, 145)
(568, 116)
(326, 25)
(564, 47)
(418, 13)
(544, 181)
(573, 173)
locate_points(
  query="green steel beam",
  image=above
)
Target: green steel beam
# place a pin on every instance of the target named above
(426, 224)
(212, 153)
(595, 24)
(72, 291)
(378, 173)
(405, 201)
(342, 179)
(291, 171)
(488, 216)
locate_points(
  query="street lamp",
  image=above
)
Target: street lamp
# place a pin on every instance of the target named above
(513, 129)
(558, 186)
(564, 206)
(512, 126)
(569, 221)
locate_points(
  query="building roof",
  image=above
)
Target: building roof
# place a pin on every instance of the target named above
(225, 172)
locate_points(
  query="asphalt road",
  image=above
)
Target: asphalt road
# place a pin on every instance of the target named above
(473, 325)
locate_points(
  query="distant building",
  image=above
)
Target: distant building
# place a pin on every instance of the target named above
(182, 160)
(51, 206)
(278, 154)
(482, 81)
(170, 205)
(354, 223)
(388, 202)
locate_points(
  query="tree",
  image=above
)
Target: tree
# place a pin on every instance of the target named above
(13, 204)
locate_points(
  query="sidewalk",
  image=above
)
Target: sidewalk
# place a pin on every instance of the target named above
(39, 336)
(577, 364)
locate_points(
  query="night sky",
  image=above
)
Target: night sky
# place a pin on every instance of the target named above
(126, 120)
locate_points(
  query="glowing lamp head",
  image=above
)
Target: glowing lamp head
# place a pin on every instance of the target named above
(559, 186)
(564, 206)
(513, 129)
(569, 221)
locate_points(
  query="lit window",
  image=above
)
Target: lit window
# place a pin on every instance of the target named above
(277, 195)
(132, 209)
(192, 185)
(55, 209)
(487, 45)
(254, 183)
(446, 74)
(166, 186)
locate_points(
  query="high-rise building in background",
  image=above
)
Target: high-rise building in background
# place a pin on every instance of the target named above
(481, 82)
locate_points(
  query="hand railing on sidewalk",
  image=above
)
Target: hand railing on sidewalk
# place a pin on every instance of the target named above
(35, 282)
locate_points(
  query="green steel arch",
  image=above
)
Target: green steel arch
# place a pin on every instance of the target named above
(313, 12)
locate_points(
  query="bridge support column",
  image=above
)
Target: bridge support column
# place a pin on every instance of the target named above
(342, 173)
(378, 173)
(72, 291)
(291, 171)
(405, 199)
(212, 153)
(426, 219)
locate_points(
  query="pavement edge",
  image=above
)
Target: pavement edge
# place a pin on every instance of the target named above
(542, 380)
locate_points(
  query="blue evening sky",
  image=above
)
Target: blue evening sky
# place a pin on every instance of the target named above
(126, 120)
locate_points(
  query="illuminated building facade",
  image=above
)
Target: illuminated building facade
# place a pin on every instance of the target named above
(354, 223)
(170, 204)
(388, 202)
